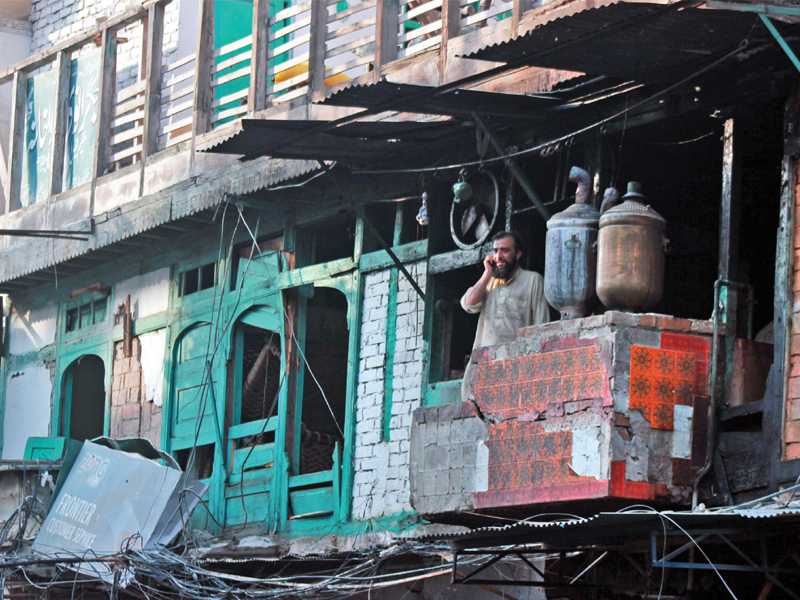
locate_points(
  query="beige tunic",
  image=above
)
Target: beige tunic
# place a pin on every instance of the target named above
(507, 306)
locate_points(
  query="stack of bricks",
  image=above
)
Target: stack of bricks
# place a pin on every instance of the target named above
(791, 436)
(131, 416)
(381, 484)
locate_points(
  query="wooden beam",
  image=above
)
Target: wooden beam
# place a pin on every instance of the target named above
(520, 8)
(108, 76)
(730, 210)
(451, 28)
(257, 95)
(776, 392)
(153, 58)
(387, 29)
(60, 123)
(203, 92)
(16, 144)
(316, 47)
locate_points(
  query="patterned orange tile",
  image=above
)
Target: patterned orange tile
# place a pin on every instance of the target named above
(684, 390)
(661, 378)
(663, 415)
(641, 359)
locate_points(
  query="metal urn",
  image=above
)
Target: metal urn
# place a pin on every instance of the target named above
(630, 258)
(570, 257)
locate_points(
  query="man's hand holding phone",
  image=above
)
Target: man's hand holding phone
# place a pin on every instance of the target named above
(489, 263)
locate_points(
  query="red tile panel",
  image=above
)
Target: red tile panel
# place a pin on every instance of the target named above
(659, 379)
(638, 490)
(685, 343)
(531, 382)
(545, 494)
(524, 455)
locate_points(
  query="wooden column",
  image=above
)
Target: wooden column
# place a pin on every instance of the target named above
(451, 28)
(60, 123)
(386, 32)
(203, 93)
(520, 8)
(108, 81)
(16, 145)
(257, 95)
(730, 209)
(316, 48)
(784, 328)
(153, 57)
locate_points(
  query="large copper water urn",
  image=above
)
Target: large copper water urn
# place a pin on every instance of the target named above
(630, 259)
(570, 256)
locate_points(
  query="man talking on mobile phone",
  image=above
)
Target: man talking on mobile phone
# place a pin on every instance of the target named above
(506, 296)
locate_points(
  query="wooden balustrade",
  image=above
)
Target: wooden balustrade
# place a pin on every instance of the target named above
(294, 53)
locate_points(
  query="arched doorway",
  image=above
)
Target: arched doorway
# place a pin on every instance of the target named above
(84, 399)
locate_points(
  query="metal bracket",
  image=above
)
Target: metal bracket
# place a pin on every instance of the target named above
(781, 42)
(398, 263)
(511, 164)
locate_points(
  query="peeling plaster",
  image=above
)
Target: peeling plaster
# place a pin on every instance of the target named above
(586, 452)
(482, 467)
(682, 434)
(27, 411)
(637, 452)
(33, 330)
(153, 346)
(149, 293)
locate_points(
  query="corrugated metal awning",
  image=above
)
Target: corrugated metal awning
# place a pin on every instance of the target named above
(362, 141)
(640, 40)
(607, 527)
(404, 97)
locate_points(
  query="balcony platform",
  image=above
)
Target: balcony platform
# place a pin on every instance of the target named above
(610, 408)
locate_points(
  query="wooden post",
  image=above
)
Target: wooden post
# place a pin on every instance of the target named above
(257, 96)
(153, 57)
(108, 77)
(451, 28)
(520, 8)
(386, 32)
(777, 395)
(16, 144)
(203, 93)
(730, 209)
(316, 48)
(60, 122)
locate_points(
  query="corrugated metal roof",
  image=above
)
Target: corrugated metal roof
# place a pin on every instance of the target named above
(403, 97)
(363, 141)
(605, 527)
(629, 40)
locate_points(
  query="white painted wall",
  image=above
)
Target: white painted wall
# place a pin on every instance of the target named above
(381, 482)
(27, 412)
(149, 293)
(33, 330)
(154, 347)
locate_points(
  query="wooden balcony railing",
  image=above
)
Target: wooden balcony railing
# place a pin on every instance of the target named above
(96, 124)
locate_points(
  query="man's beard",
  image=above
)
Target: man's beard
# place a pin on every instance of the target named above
(505, 270)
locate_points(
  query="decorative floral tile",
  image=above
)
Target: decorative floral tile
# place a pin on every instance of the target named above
(659, 379)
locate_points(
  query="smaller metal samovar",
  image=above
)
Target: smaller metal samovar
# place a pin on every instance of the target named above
(570, 258)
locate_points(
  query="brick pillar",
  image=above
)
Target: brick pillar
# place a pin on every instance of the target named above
(131, 414)
(791, 436)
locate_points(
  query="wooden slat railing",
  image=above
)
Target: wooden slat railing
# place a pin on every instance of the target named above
(294, 53)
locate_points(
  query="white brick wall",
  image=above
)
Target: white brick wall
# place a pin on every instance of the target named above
(54, 21)
(381, 483)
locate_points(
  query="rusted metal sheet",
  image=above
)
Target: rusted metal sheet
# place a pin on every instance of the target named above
(640, 40)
